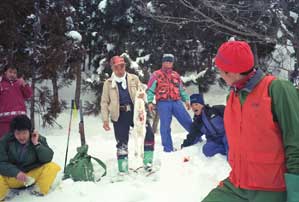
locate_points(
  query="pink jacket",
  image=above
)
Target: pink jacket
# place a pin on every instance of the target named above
(12, 99)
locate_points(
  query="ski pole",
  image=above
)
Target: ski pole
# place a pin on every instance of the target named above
(68, 136)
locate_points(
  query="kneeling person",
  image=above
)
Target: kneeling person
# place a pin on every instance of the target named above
(25, 158)
(207, 121)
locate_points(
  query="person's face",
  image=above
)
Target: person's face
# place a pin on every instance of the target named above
(22, 136)
(230, 77)
(119, 70)
(196, 108)
(167, 64)
(11, 74)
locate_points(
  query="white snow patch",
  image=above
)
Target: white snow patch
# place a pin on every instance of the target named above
(101, 66)
(282, 62)
(110, 46)
(76, 36)
(143, 59)
(279, 33)
(32, 16)
(102, 6)
(141, 29)
(94, 34)
(294, 16)
(130, 19)
(134, 64)
(150, 7)
(72, 9)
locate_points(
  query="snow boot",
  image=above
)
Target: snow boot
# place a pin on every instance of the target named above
(123, 165)
(34, 190)
(148, 160)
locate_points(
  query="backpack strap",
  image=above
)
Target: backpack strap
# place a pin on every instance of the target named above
(102, 164)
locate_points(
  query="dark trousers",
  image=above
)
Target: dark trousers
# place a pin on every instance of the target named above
(121, 132)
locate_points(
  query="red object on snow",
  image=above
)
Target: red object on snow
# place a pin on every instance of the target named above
(186, 159)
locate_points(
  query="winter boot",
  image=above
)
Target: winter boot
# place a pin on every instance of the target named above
(148, 160)
(123, 165)
(34, 190)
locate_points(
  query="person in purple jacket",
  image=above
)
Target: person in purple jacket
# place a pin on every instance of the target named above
(13, 93)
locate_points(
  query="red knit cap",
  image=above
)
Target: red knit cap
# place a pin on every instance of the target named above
(116, 60)
(234, 56)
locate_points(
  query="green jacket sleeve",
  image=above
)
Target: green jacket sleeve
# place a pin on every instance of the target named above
(185, 97)
(6, 168)
(44, 152)
(285, 107)
(150, 92)
(292, 187)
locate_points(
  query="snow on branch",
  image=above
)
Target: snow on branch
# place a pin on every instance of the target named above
(76, 36)
(134, 64)
(193, 77)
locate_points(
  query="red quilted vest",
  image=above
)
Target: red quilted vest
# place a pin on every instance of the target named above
(168, 85)
(256, 152)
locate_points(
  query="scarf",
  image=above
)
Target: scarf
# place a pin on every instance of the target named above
(121, 80)
(238, 85)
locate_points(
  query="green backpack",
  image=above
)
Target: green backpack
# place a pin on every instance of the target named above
(80, 167)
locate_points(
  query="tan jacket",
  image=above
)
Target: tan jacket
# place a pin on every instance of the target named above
(110, 97)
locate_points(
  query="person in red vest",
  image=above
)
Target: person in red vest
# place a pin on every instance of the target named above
(261, 120)
(166, 87)
(13, 93)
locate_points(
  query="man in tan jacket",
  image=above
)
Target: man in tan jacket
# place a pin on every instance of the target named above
(117, 102)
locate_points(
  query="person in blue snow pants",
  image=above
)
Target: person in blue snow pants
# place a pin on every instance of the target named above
(207, 121)
(165, 85)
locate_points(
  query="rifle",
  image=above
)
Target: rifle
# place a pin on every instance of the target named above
(81, 125)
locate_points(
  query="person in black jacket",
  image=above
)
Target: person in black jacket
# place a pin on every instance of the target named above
(208, 121)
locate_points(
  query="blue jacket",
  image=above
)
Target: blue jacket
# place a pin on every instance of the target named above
(209, 123)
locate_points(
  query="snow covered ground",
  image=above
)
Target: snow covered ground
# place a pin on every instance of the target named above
(176, 181)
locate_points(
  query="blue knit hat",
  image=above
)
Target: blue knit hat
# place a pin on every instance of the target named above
(197, 98)
(168, 58)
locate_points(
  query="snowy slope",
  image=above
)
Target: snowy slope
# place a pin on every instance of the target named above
(176, 180)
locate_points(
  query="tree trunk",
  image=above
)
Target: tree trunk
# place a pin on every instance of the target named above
(297, 57)
(32, 104)
(56, 105)
(296, 48)
(90, 53)
(256, 57)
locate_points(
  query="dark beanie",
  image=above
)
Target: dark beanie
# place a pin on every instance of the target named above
(21, 122)
(197, 98)
(168, 58)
